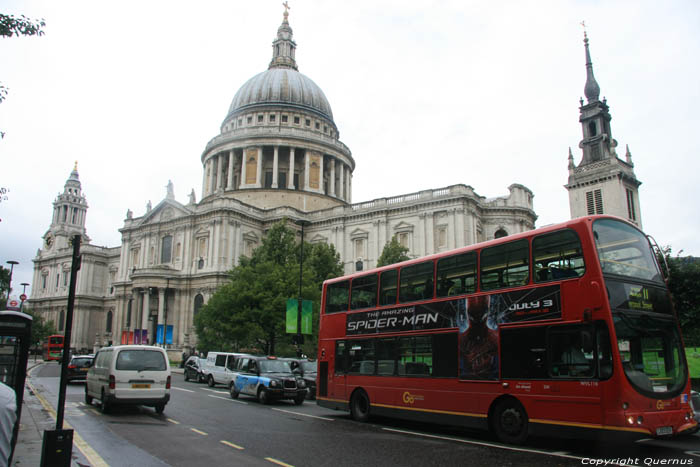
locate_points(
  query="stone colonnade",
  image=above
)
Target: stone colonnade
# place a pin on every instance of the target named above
(269, 167)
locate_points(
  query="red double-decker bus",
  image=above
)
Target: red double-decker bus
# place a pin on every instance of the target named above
(53, 347)
(567, 329)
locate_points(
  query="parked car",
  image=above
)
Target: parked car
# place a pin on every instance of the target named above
(78, 367)
(129, 375)
(193, 369)
(307, 369)
(267, 379)
(220, 367)
(695, 404)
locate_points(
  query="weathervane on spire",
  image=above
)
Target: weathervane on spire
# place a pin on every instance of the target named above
(583, 25)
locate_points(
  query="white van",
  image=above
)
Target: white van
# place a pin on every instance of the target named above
(129, 375)
(220, 367)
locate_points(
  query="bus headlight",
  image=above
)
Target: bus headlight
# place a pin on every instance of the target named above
(640, 420)
(625, 406)
(630, 420)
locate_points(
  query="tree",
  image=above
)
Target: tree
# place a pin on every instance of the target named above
(684, 277)
(248, 312)
(41, 329)
(393, 252)
(4, 283)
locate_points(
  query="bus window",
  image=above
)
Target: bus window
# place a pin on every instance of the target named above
(505, 265)
(456, 275)
(363, 292)
(571, 352)
(415, 356)
(340, 358)
(337, 297)
(557, 255)
(387, 287)
(361, 357)
(416, 282)
(386, 356)
(524, 353)
(605, 368)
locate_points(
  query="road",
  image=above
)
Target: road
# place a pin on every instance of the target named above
(203, 425)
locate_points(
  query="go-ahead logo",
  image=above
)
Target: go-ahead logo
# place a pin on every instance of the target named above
(409, 398)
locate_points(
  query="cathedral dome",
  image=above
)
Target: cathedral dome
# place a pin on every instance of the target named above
(281, 86)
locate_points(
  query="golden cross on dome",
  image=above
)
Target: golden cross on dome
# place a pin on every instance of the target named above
(76, 166)
(286, 8)
(583, 25)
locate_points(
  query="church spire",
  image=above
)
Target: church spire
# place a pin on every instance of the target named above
(591, 90)
(284, 47)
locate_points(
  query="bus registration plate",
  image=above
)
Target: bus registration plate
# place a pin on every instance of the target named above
(664, 430)
(140, 386)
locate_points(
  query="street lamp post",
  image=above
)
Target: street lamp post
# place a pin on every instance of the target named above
(299, 338)
(23, 296)
(9, 283)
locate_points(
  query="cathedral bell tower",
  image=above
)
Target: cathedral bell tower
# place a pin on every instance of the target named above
(602, 183)
(69, 212)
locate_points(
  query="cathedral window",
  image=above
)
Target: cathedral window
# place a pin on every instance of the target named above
(268, 179)
(240, 122)
(500, 233)
(44, 281)
(282, 179)
(631, 213)
(58, 278)
(198, 303)
(250, 120)
(441, 237)
(108, 325)
(260, 118)
(296, 120)
(284, 119)
(166, 249)
(272, 118)
(594, 202)
(61, 320)
(307, 122)
(318, 126)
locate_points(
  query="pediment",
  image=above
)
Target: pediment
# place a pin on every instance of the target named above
(403, 227)
(359, 233)
(318, 238)
(165, 211)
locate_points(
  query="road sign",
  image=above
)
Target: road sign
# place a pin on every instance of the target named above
(13, 304)
(23, 297)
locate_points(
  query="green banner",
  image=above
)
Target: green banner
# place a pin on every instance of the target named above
(306, 316)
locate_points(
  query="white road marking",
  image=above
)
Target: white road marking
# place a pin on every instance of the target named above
(304, 415)
(492, 445)
(228, 399)
(180, 389)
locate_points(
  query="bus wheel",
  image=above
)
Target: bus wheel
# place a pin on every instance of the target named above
(510, 422)
(359, 406)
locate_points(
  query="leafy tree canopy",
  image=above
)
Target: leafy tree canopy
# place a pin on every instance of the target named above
(41, 329)
(4, 282)
(22, 26)
(248, 313)
(684, 283)
(393, 252)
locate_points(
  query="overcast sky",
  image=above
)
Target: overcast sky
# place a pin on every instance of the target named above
(425, 94)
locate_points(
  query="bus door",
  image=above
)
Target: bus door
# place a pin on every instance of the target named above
(578, 356)
(335, 370)
(15, 339)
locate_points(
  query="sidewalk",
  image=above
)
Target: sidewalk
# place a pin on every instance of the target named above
(34, 420)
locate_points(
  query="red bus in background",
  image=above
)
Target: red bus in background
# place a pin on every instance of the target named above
(53, 347)
(567, 329)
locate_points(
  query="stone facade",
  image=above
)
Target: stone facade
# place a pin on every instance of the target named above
(278, 156)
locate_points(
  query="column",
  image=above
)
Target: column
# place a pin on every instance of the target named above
(212, 176)
(305, 185)
(290, 175)
(349, 185)
(204, 180)
(146, 310)
(219, 174)
(332, 187)
(341, 181)
(258, 174)
(321, 177)
(229, 185)
(275, 163)
(243, 168)
(161, 311)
